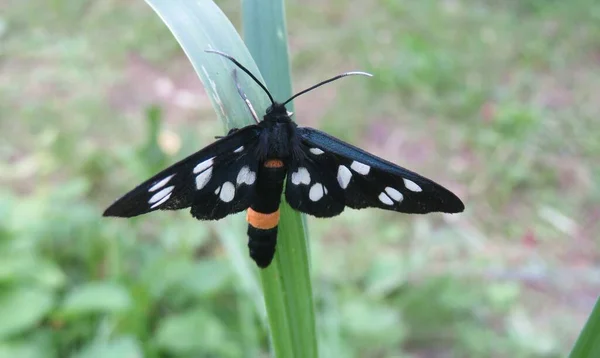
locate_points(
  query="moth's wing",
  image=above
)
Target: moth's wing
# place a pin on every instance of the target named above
(311, 185)
(231, 186)
(363, 179)
(215, 181)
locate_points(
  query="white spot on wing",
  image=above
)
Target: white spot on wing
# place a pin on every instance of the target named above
(161, 201)
(217, 190)
(316, 151)
(227, 192)
(394, 194)
(302, 176)
(203, 165)
(246, 176)
(360, 168)
(412, 186)
(343, 176)
(160, 195)
(316, 192)
(161, 183)
(239, 149)
(203, 178)
(385, 199)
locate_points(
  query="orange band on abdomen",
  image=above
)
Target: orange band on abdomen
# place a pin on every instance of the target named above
(262, 221)
(273, 163)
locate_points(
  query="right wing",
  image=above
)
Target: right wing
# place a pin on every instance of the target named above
(333, 174)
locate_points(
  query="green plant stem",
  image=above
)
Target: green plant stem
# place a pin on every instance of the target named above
(286, 283)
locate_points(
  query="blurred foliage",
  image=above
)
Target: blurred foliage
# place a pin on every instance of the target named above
(496, 100)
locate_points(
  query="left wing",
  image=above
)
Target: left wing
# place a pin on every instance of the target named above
(333, 174)
(215, 181)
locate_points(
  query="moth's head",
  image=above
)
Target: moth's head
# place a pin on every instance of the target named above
(278, 112)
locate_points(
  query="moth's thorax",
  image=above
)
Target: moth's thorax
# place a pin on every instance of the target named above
(276, 139)
(278, 133)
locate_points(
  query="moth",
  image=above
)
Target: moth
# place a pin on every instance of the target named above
(247, 169)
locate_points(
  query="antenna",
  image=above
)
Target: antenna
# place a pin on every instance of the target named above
(327, 81)
(353, 73)
(245, 70)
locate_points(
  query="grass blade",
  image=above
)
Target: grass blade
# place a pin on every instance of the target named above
(588, 343)
(286, 283)
(197, 26)
(200, 25)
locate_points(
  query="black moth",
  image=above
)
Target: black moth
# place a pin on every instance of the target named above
(246, 170)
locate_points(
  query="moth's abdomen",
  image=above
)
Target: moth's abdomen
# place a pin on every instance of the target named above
(262, 234)
(263, 214)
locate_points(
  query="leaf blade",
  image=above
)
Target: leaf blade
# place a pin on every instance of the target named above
(201, 25)
(287, 286)
(588, 342)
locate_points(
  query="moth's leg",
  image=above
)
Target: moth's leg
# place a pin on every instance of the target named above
(232, 130)
(244, 97)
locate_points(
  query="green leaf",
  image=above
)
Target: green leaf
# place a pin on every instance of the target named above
(26, 267)
(48, 274)
(200, 25)
(96, 297)
(198, 279)
(23, 308)
(27, 349)
(372, 323)
(206, 277)
(196, 331)
(121, 347)
(386, 274)
(588, 343)
(287, 286)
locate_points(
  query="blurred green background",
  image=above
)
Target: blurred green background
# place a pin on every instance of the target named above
(496, 100)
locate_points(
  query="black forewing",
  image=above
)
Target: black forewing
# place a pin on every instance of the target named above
(364, 180)
(194, 181)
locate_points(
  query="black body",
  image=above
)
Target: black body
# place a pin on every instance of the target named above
(262, 241)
